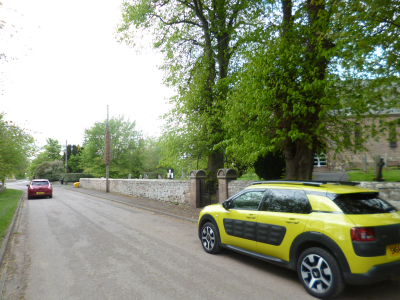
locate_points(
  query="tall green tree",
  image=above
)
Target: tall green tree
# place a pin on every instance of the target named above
(282, 98)
(150, 155)
(75, 164)
(39, 159)
(74, 158)
(52, 149)
(124, 159)
(16, 146)
(49, 152)
(367, 33)
(295, 92)
(199, 40)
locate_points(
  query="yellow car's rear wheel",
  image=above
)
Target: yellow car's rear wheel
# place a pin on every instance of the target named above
(320, 274)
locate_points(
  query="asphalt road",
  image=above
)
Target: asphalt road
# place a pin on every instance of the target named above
(77, 246)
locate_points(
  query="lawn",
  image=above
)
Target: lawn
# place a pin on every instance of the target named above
(8, 204)
(390, 175)
(250, 176)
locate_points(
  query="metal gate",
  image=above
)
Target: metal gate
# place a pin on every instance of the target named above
(205, 193)
(208, 193)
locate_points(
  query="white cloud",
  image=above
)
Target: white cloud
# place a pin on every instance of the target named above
(75, 68)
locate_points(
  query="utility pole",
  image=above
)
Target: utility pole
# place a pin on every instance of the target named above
(66, 155)
(107, 154)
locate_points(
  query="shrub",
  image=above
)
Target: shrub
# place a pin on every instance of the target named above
(74, 177)
(49, 167)
(52, 177)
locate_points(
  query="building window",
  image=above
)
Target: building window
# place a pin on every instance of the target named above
(346, 137)
(392, 136)
(357, 134)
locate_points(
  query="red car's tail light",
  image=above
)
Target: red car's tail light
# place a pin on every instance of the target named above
(362, 234)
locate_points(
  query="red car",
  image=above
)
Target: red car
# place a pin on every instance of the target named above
(40, 187)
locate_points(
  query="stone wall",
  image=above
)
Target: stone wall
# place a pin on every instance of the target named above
(235, 186)
(389, 191)
(155, 189)
(179, 190)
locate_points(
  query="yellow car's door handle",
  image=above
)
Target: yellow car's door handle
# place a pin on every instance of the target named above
(251, 216)
(292, 221)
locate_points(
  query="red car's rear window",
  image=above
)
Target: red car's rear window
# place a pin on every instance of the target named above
(40, 183)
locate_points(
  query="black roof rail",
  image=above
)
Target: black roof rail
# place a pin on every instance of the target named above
(310, 183)
(313, 183)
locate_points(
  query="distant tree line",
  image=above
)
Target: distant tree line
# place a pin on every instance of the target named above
(131, 153)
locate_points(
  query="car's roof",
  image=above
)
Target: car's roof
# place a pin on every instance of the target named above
(337, 188)
(36, 180)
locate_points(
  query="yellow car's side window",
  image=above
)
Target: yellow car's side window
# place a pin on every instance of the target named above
(250, 200)
(288, 201)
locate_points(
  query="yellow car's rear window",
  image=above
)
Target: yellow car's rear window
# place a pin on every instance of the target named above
(363, 203)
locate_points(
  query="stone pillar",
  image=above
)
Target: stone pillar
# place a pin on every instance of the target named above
(195, 177)
(224, 176)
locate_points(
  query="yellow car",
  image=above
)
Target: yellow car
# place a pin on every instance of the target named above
(331, 234)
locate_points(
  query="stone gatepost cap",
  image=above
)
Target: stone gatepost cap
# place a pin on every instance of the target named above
(227, 173)
(197, 174)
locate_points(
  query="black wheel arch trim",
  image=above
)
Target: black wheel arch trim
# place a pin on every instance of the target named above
(317, 237)
(204, 219)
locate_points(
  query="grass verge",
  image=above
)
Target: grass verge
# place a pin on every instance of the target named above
(391, 175)
(8, 204)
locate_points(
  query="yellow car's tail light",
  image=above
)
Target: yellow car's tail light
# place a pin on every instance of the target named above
(362, 234)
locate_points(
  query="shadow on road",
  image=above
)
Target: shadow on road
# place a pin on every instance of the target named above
(389, 289)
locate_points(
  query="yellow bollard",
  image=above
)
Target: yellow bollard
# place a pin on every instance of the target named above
(76, 184)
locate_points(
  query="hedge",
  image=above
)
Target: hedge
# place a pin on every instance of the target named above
(74, 177)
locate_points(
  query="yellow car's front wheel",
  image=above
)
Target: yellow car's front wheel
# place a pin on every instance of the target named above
(210, 238)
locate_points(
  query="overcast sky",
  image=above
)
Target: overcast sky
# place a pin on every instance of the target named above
(69, 66)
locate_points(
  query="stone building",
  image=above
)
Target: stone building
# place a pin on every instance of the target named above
(387, 146)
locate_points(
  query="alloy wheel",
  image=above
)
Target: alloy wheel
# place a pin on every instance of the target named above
(316, 273)
(208, 238)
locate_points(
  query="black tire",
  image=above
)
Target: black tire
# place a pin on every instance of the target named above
(210, 238)
(320, 273)
(29, 197)
(51, 196)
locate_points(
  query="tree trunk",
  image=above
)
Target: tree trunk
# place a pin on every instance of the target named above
(299, 154)
(215, 162)
(299, 161)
